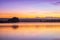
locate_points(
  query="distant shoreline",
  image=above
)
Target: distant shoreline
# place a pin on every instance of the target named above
(17, 20)
(32, 22)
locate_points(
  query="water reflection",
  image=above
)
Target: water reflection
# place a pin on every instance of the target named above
(15, 26)
(30, 31)
(9, 26)
(31, 26)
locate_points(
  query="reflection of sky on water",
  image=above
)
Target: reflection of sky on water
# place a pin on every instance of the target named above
(31, 32)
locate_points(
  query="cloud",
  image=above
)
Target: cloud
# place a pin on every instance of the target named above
(57, 3)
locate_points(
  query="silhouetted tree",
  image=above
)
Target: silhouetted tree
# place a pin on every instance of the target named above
(14, 19)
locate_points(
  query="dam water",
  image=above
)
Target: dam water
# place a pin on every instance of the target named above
(30, 31)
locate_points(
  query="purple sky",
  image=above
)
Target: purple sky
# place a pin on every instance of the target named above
(28, 6)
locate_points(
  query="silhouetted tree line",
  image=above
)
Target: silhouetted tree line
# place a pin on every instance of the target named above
(39, 20)
(15, 19)
(12, 20)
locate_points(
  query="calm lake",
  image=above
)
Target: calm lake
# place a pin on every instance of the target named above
(30, 31)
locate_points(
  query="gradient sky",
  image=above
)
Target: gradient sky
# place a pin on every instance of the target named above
(29, 8)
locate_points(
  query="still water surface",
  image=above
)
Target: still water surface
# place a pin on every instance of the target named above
(30, 31)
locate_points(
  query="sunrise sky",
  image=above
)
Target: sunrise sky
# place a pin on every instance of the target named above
(29, 8)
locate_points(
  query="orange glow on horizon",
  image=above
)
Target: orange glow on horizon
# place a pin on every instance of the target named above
(29, 15)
